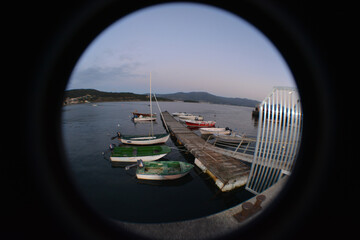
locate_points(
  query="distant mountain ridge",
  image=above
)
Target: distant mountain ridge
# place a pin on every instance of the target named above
(94, 95)
(207, 97)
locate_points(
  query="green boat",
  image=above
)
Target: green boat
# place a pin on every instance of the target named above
(162, 170)
(134, 153)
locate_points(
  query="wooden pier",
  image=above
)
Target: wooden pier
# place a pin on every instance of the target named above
(227, 172)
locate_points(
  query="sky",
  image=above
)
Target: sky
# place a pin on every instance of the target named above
(186, 47)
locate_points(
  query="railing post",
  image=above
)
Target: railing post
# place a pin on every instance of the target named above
(206, 141)
(238, 146)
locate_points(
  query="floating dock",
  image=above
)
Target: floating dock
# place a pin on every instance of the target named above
(227, 172)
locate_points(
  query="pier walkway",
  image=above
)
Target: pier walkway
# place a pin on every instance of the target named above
(227, 172)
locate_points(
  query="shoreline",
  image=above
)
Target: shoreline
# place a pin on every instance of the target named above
(158, 101)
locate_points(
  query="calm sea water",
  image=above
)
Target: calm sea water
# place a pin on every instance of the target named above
(117, 193)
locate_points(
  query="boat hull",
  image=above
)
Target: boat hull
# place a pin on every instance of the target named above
(145, 140)
(143, 119)
(163, 170)
(143, 114)
(134, 159)
(191, 123)
(160, 177)
(177, 114)
(134, 153)
(214, 131)
(199, 118)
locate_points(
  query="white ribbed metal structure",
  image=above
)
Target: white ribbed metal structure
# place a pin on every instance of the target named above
(278, 139)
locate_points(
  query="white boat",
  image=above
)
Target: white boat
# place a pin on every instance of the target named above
(224, 131)
(177, 114)
(191, 117)
(143, 140)
(142, 118)
(134, 159)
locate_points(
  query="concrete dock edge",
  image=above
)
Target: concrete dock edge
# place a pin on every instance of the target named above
(209, 227)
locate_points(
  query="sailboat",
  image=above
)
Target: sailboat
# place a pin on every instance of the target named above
(140, 117)
(145, 139)
(137, 114)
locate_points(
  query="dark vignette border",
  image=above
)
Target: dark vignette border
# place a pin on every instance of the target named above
(298, 30)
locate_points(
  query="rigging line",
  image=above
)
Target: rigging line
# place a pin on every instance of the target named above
(162, 116)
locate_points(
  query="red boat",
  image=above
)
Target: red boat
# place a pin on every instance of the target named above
(194, 123)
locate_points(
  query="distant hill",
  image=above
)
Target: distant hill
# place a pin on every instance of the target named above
(93, 95)
(207, 97)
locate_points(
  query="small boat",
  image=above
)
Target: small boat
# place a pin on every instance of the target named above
(191, 117)
(162, 170)
(143, 139)
(137, 114)
(133, 153)
(141, 118)
(194, 123)
(177, 114)
(224, 131)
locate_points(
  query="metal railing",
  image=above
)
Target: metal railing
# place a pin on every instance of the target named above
(278, 139)
(243, 144)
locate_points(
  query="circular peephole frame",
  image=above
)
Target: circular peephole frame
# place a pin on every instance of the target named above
(58, 60)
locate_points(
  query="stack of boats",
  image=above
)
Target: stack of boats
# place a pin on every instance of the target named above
(143, 150)
(208, 127)
(194, 121)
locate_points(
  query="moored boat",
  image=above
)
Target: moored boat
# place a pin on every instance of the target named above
(142, 118)
(143, 139)
(133, 153)
(177, 114)
(163, 170)
(137, 114)
(191, 117)
(224, 131)
(194, 123)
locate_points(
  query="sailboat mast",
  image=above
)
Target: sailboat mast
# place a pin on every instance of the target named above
(151, 114)
(150, 98)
